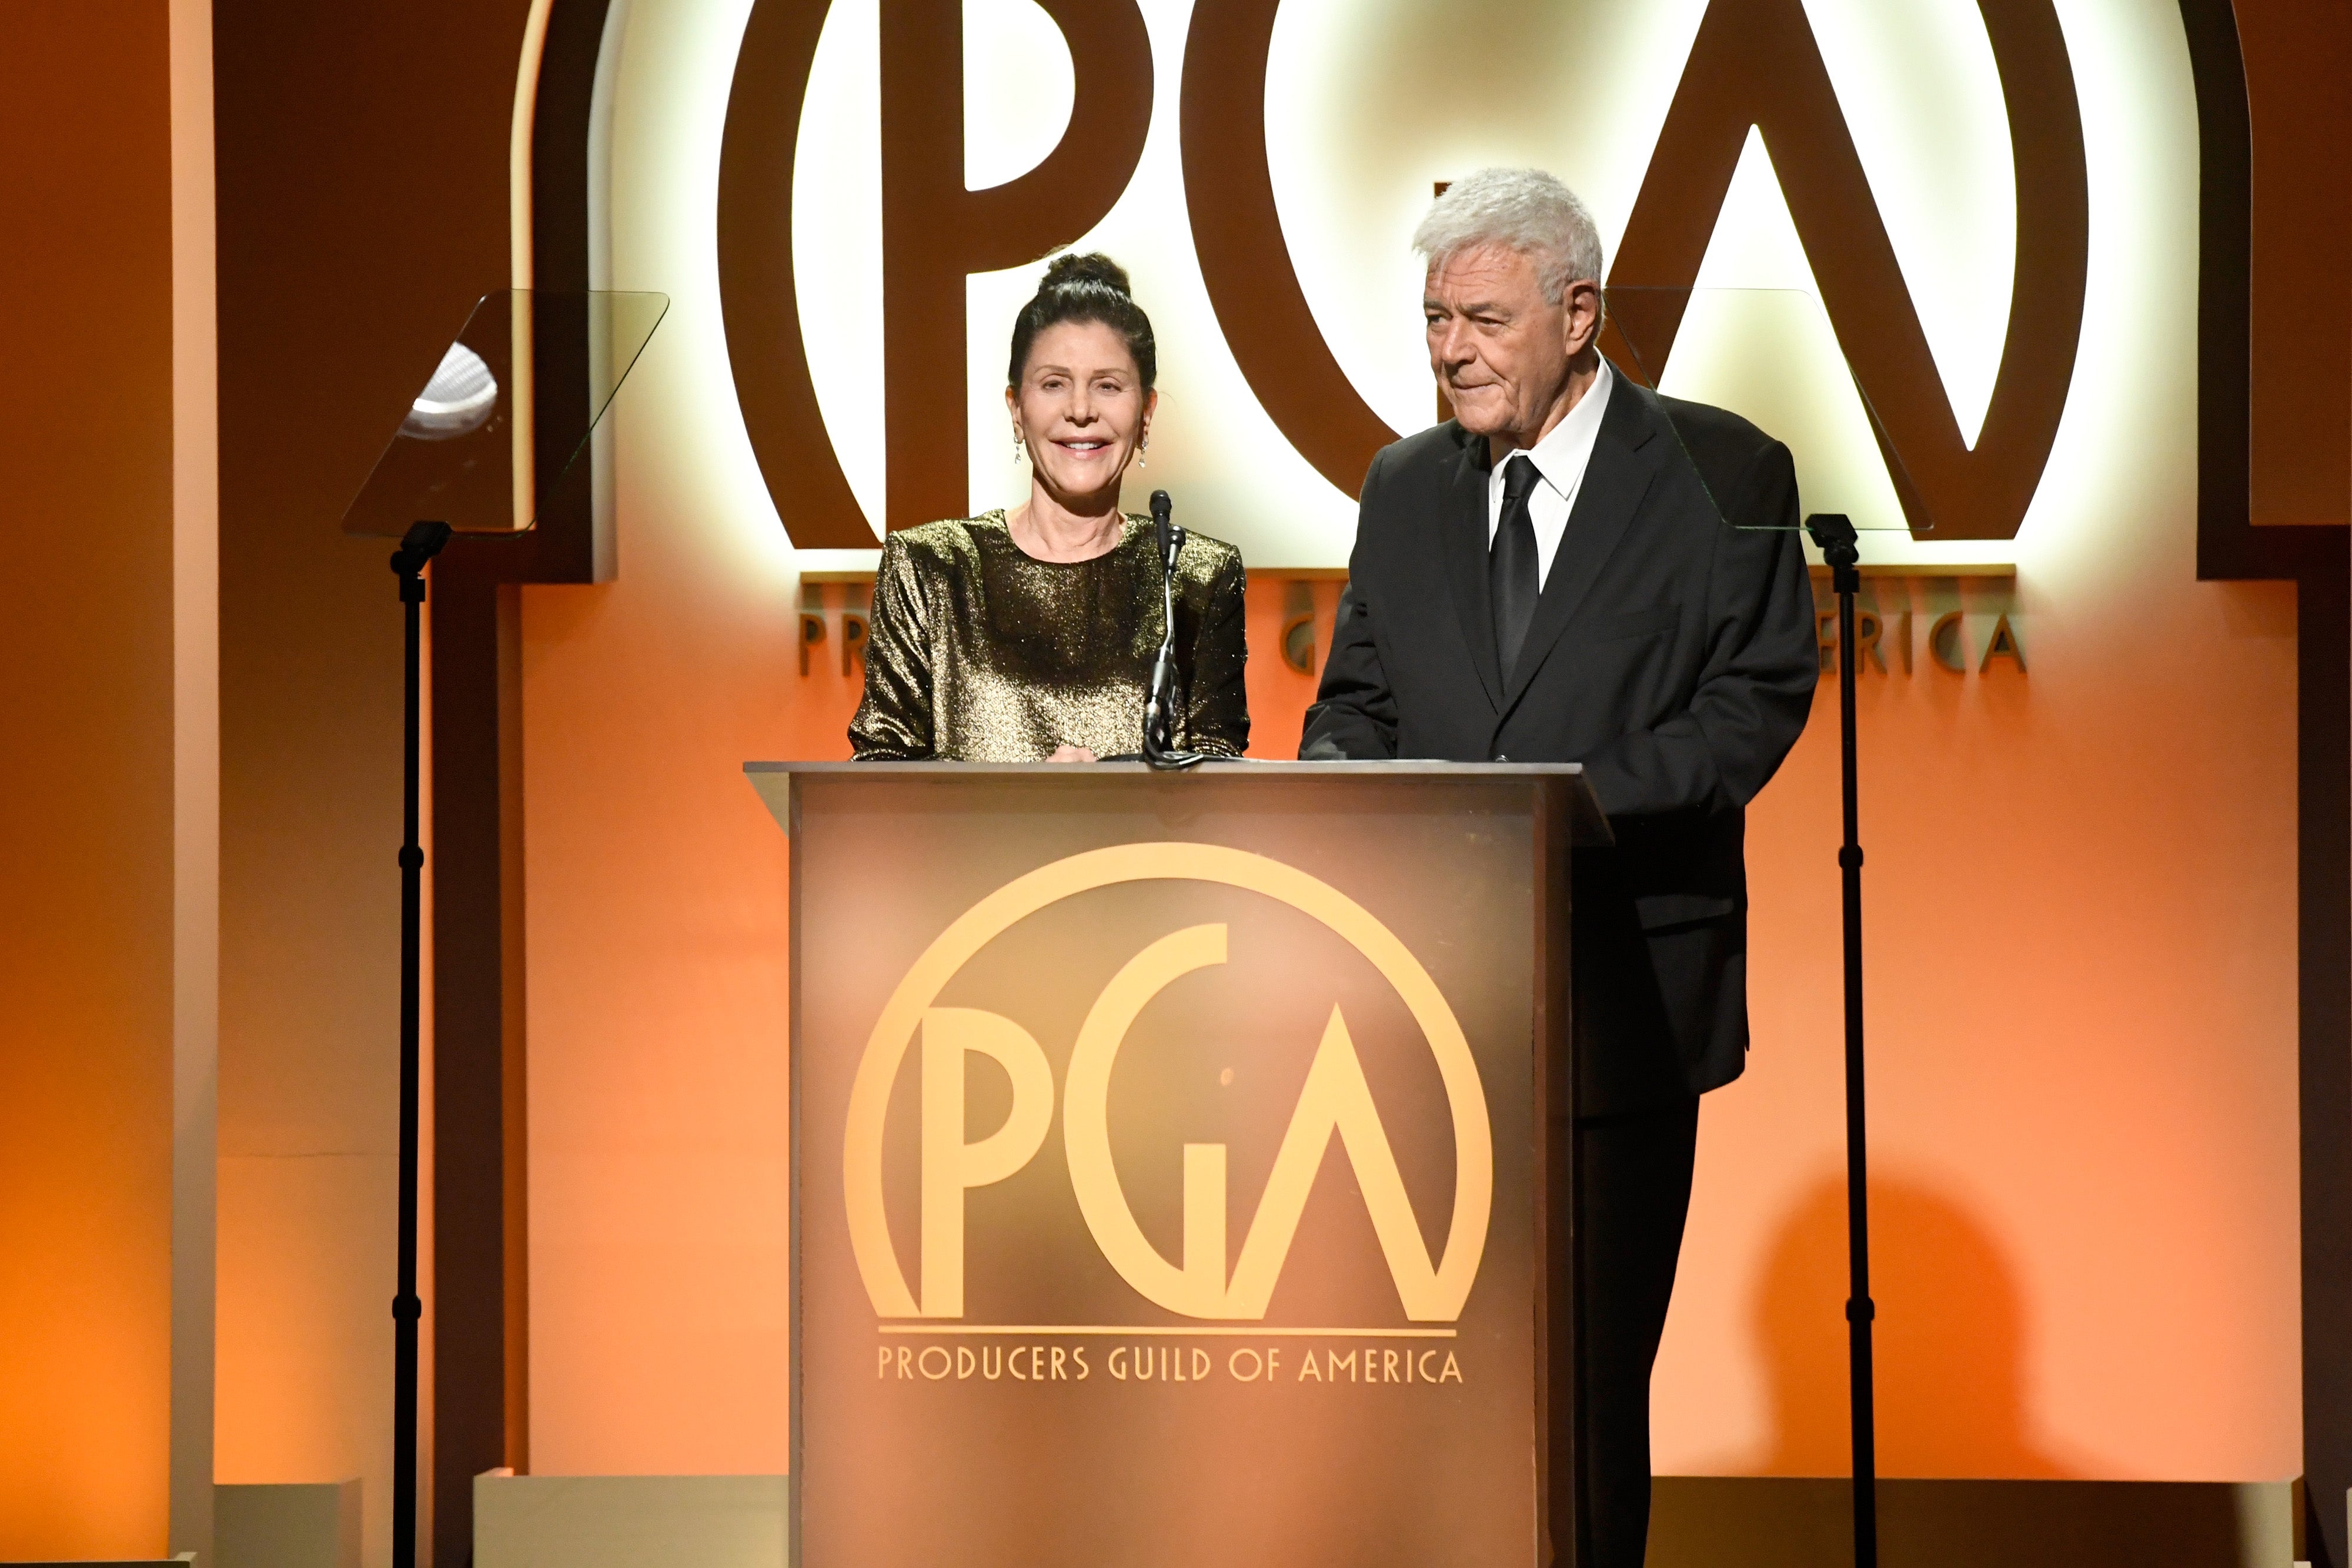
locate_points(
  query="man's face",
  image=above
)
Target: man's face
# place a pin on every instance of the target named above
(1500, 348)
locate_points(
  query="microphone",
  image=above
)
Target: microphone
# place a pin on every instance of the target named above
(1171, 537)
(1158, 704)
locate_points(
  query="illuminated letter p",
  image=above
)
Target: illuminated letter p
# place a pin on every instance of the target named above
(934, 231)
(950, 1164)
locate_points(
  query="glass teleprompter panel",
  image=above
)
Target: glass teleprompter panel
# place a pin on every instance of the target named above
(506, 413)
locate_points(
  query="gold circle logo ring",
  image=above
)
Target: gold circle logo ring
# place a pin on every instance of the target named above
(1163, 861)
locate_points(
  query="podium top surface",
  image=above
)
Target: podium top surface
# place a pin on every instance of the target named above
(1587, 824)
(1235, 769)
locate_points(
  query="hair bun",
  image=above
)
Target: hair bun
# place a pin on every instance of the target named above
(1089, 287)
(1093, 267)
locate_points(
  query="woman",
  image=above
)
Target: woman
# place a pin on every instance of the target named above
(1029, 635)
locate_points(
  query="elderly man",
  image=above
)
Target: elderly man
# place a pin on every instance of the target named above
(1551, 577)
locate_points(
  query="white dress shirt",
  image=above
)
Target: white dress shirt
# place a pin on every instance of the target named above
(1560, 458)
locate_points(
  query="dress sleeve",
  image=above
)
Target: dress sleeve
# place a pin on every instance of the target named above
(1217, 718)
(893, 723)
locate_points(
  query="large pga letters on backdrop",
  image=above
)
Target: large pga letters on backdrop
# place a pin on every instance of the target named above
(1171, 1164)
(1971, 399)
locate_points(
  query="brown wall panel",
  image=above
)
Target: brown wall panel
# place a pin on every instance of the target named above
(362, 207)
(2300, 326)
(86, 771)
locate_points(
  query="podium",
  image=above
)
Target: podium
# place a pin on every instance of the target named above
(1182, 1164)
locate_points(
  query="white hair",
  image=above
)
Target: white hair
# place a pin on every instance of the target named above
(1525, 210)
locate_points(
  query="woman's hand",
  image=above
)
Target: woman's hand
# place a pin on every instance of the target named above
(1072, 754)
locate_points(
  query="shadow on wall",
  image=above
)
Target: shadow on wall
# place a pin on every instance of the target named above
(1949, 1343)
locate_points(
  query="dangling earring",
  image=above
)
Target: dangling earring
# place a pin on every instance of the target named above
(1142, 447)
(1017, 452)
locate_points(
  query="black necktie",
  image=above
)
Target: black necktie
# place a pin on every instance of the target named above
(1511, 580)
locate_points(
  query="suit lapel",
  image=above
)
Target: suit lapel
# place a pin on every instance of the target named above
(1617, 477)
(1462, 540)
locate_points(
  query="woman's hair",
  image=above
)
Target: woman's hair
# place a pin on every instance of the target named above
(1090, 288)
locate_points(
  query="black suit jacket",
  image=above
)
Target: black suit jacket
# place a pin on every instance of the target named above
(1671, 653)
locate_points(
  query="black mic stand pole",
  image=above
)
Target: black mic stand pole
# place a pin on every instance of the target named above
(420, 545)
(1836, 535)
(1159, 718)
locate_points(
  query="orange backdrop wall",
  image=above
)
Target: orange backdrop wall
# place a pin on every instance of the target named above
(2081, 885)
(86, 769)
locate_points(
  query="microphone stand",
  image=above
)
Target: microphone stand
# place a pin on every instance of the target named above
(418, 545)
(1836, 535)
(1159, 707)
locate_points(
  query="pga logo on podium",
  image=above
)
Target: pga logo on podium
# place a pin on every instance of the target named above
(1336, 1100)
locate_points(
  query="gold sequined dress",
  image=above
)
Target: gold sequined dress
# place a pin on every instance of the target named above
(979, 652)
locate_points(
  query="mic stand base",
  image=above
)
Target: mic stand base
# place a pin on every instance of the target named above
(1166, 761)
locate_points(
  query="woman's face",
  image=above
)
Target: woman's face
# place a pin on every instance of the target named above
(1081, 408)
